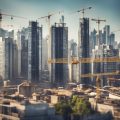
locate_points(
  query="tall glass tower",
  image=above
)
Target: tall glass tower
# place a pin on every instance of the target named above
(59, 49)
(34, 52)
(84, 50)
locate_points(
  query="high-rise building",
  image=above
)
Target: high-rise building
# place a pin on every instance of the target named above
(93, 39)
(34, 52)
(22, 42)
(24, 53)
(109, 67)
(73, 49)
(105, 51)
(9, 47)
(15, 60)
(84, 48)
(59, 49)
(3, 33)
(44, 54)
(100, 37)
(10, 34)
(6, 33)
(2, 59)
(112, 39)
(45, 70)
(106, 35)
(19, 52)
(73, 68)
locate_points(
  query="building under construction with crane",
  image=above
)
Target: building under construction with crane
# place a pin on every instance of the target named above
(59, 49)
(84, 48)
(105, 61)
(34, 52)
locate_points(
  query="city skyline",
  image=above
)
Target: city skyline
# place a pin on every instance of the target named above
(59, 59)
(34, 9)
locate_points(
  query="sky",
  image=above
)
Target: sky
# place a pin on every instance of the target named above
(33, 9)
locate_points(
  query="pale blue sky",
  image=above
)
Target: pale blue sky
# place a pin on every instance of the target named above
(32, 9)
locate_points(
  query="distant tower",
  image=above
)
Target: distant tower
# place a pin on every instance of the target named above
(9, 47)
(19, 52)
(93, 39)
(62, 19)
(106, 35)
(59, 49)
(44, 54)
(34, 52)
(73, 68)
(2, 59)
(24, 53)
(84, 48)
(112, 39)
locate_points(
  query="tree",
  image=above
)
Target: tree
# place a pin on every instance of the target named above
(80, 106)
(64, 109)
(77, 106)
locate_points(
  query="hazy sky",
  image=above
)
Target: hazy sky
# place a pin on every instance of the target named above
(32, 9)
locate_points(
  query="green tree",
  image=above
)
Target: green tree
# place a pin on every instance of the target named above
(81, 107)
(76, 106)
(64, 109)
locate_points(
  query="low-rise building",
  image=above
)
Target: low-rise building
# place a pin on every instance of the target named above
(19, 108)
(106, 106)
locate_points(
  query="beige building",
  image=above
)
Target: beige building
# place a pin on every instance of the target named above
(26, 88)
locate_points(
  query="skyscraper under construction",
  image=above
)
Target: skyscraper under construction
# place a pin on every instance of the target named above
(84, 50)
(34, 52)
(59, 49)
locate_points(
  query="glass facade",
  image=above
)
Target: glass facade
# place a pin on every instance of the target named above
(34, 52)
(59, 49)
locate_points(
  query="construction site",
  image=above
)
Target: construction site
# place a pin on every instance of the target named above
(38, 73)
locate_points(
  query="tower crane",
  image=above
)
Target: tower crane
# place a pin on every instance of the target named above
(84, 60)
(112, 79)
(98, 21)
(71, 65)
(89, 60)
(49, 36)
(83, 10)
(9, 15)
(98, 75)
(48, 18)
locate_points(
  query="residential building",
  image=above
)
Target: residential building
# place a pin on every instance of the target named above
(105, 51)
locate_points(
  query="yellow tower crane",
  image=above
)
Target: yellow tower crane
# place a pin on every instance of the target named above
(90, 60)
(74, 60)
(98, 75)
